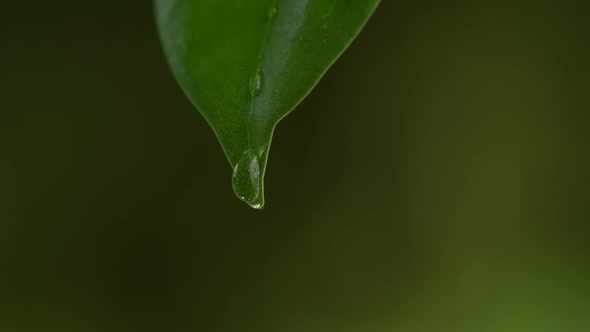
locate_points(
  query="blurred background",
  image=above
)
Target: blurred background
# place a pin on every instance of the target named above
(437, 179)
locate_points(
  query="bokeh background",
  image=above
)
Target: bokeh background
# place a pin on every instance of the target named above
(436, 180)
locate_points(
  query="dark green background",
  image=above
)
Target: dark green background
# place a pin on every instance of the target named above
(436, 180)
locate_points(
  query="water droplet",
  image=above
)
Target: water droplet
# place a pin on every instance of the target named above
(272, 12)
(247, 181)
(256, 83)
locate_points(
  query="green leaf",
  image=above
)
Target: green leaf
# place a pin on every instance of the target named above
(245, 64)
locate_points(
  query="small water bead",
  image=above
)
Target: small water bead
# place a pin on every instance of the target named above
(256, 83)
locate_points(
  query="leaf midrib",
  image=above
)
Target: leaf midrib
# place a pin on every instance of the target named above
(271, 14)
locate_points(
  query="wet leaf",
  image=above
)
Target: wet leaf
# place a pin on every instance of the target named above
(245, 64)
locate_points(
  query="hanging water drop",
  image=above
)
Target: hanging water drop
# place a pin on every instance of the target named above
(247, 181)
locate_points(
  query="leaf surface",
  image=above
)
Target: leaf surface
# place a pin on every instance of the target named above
(245, 64)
